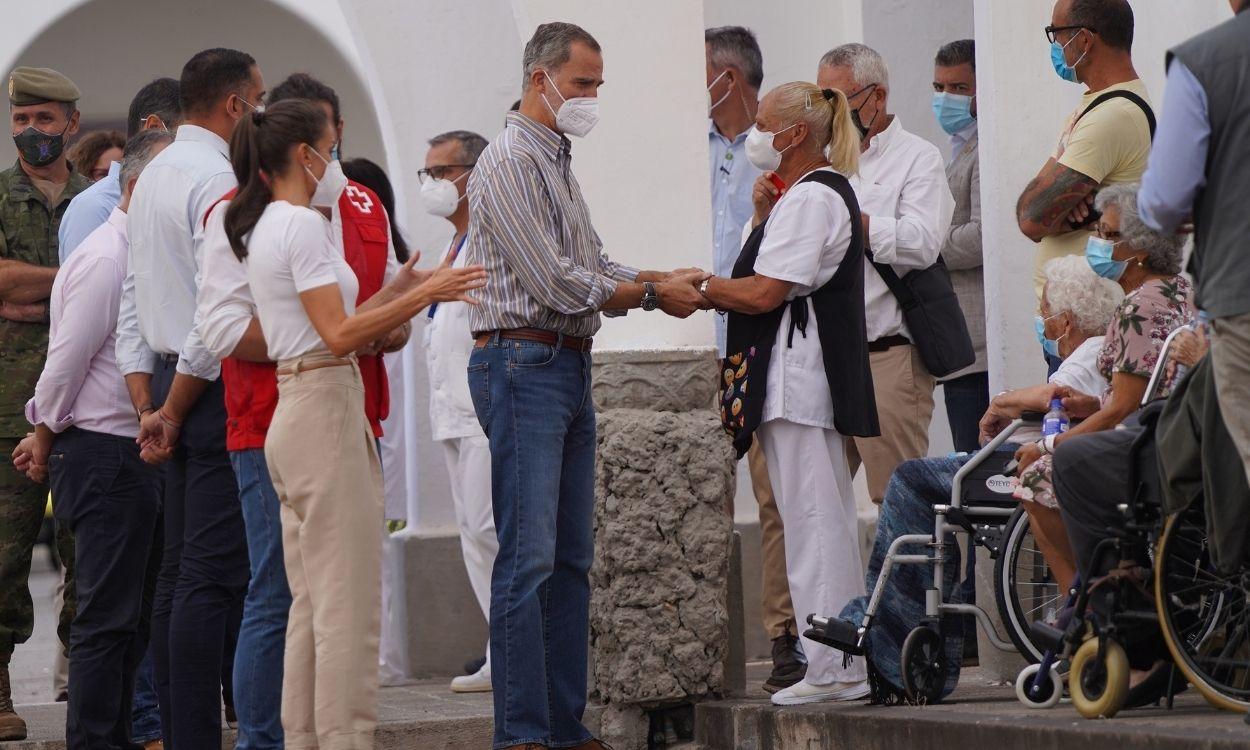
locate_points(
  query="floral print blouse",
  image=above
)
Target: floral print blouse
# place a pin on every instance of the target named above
(1133, 344)
(1141, 324)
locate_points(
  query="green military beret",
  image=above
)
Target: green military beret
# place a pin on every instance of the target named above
(29, 86)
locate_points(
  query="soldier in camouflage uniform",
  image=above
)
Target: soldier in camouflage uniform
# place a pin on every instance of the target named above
(33, 196)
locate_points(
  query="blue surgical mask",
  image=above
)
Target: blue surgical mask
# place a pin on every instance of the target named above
(1050, 346)
(953, 111)
(1062, 69)
(1098, 253)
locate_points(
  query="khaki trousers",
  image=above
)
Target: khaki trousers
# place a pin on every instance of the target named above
(1230, 356)
(776, 608)
(904, 393)
(324, 464)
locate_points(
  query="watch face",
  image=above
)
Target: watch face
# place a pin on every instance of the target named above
(650, 303)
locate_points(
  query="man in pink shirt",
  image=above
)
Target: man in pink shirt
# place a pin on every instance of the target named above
(84, 443)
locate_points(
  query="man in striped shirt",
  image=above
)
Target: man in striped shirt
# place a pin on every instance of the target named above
(529, 377)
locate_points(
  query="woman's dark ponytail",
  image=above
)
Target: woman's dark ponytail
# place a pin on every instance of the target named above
(261, 147)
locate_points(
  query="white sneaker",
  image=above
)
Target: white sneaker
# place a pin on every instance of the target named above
(473, 683)
(805, 692)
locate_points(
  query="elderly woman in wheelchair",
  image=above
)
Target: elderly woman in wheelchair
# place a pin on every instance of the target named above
(1078, 307)
(923, 665)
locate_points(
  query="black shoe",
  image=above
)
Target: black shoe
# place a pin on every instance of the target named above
(473, 667)
(836, 632)
(789, 663)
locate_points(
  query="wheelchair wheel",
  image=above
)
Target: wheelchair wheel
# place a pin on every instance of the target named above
(923, 666)
(1099, 687)
(1203, 613)
(1024, 587)
(1048, 693)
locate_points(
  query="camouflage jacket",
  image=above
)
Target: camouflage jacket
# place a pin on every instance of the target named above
(28, 229)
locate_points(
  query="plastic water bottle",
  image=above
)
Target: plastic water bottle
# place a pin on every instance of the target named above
(1056, 421)
(1199, 322)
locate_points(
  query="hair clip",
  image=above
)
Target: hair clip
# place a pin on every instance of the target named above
(829, 94)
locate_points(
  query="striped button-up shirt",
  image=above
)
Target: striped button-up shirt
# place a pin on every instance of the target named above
(530, 227)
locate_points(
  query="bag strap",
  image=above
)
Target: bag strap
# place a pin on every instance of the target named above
(840, 185)
(901, 291)
(1123, 94)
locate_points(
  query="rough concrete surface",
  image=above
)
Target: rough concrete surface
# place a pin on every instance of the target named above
(659, 609)
(979, 714)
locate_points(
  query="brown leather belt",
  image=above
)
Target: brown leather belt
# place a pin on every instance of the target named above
(540, 335)
(885, 343)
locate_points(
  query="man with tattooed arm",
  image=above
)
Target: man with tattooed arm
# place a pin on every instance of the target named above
(1106, 140)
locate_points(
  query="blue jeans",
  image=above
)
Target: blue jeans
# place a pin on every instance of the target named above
(262, 636)
(916, 486)
(967, 399)
(145, 715)
(534, 403)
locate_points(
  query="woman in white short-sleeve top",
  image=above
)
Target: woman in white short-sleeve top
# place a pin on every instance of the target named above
(802, 133)
(320, 449)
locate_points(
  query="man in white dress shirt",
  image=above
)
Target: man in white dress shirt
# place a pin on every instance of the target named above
(175, 387)
(907, 205)
(448, 344)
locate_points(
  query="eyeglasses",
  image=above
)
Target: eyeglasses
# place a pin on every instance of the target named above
(440, 173)
(1052, 30)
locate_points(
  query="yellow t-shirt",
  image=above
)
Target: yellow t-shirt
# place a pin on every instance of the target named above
(1110, 145)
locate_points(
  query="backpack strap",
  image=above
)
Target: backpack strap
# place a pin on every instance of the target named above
(1123, 94)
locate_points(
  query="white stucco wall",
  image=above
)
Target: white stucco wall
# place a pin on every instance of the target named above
(1023, 105)
(111, 48)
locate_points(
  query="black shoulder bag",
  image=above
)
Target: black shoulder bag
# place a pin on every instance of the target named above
(933, 316)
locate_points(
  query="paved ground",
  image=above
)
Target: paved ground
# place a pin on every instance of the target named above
(427, 716)
(978, 715)
(32, 665)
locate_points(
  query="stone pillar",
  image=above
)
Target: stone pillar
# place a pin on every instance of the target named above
(660, 583)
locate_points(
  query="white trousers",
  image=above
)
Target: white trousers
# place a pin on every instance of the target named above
(468, 464)
(812, 484)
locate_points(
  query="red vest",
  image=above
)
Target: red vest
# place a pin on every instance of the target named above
(252, 387)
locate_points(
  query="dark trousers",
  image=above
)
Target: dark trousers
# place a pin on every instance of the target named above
(967, 399)
(1089, 479)
(203, 578)
(110, 501)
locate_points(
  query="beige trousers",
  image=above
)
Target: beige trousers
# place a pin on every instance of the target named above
(776, 608)
(904, 392)
(324, 464)
(1230, 356)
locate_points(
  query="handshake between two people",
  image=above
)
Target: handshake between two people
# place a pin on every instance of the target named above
(679, 293)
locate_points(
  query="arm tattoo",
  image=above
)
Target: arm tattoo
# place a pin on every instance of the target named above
(1052, 195)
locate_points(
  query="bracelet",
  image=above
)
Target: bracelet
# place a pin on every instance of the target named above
(172, 423)
(1047, 445)
(144, 410)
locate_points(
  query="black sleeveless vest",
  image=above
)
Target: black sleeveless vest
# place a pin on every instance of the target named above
(839, 310)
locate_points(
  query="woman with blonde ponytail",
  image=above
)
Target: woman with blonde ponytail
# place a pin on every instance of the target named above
(796, 375)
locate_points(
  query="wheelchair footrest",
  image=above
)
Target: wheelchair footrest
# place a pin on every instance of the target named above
(835, 632)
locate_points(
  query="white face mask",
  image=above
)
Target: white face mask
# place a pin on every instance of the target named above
(576, 116)
(440, 198)
(331, 185)
(713, 105)
(760, 151)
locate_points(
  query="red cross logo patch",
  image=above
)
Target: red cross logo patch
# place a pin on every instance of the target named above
(360, 199)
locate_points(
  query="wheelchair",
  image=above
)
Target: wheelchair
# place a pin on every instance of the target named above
(983, 509)
(1164, 600)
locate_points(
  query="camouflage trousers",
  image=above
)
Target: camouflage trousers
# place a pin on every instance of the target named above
(22, 504)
